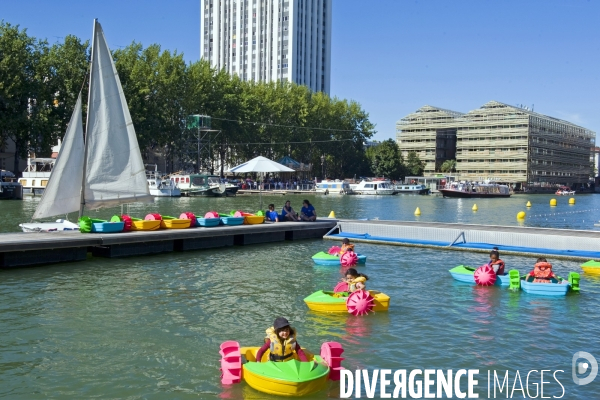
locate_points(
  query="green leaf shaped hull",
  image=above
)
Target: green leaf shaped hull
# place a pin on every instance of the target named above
(289, 378)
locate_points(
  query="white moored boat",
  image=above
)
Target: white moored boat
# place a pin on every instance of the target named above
(160, 187)
(564, 191)
(107, 169)
(374, 187)
(198, 184)
(37, 173)
(9, 189)
(413, 189)
(333, 187)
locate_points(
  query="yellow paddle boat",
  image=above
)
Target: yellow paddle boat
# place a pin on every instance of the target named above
(253, 219)
(591, 267)
(357, 303)
(174, 223)
(288, 378)
(138, 224)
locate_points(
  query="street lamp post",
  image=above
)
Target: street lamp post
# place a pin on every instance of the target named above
(322, 166)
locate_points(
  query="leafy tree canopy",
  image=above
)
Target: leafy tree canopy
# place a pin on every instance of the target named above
(39, 85)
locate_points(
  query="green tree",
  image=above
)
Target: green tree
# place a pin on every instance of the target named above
(386, 159)
(414, 165)
(448, 166)
(39, 86)
(65, 67)
(20, 84)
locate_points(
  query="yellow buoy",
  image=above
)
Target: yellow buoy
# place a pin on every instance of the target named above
(528, 204)
(572, 200)
(474, 207)
(418, 211)
(553, 202)
(521, 215)
(331, 214)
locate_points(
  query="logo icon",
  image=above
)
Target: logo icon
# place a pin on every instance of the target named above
(580, 368)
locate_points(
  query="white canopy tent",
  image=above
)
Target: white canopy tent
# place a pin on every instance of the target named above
(260, 164)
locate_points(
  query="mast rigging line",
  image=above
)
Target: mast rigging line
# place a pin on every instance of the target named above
(276, 143)
(287, 126)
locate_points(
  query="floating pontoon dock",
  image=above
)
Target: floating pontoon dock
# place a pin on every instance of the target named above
(25, 249)
(556, 243)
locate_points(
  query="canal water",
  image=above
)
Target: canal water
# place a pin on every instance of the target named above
(581, 215)
(150, 327)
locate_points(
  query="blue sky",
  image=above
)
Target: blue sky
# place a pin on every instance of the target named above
(394, 56)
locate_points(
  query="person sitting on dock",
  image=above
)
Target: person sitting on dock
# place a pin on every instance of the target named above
(307, 212)
(281, 340)
(346, 246)
(495, 262)
(356, 281)
(272, 214)
(288, 212)
(542, 273)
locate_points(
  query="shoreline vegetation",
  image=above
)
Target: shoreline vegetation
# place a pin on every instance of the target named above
(40, 82)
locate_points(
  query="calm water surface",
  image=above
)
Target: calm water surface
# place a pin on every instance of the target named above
(582, 215)
(150, 327)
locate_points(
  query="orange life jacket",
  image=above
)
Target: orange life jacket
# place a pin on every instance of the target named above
(346, 247)
(542, 272)
(500, 264)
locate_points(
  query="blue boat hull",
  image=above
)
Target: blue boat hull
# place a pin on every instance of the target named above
(108, 227)
(362, 259)
(232, 220)
(501, 280)
(208, 222)
(545, 289)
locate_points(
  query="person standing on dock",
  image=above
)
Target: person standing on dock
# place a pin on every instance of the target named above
(308, 212)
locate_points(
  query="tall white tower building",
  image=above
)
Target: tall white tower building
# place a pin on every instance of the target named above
(269, 40)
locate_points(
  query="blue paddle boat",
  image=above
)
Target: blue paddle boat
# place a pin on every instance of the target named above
(463, 273)
(232, 220)
(94, 225)
(323, 258)
(208, 222)
(546, 288)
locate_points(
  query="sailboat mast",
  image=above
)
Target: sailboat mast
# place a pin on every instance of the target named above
(87, 121)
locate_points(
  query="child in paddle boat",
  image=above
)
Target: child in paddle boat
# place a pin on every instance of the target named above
(307, 212)
(281, 340)
(288, 212)
(495, 262)
(542, 273)
(346, 246)
(355, 280)
(272, 214)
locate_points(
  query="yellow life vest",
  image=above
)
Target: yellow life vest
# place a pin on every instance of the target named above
(281, 350)
(352, 284)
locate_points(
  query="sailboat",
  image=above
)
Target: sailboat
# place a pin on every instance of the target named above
(106, 169)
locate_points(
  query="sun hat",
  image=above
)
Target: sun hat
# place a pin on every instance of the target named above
(280, 322)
